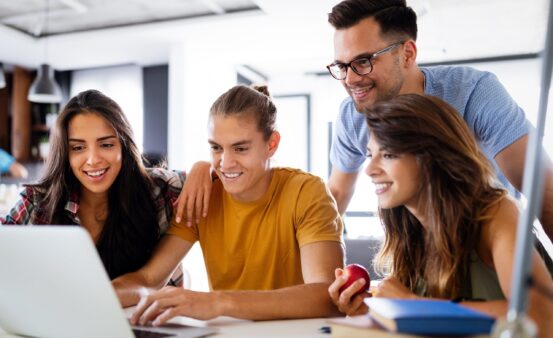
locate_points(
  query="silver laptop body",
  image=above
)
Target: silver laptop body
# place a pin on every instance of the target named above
(53, 285)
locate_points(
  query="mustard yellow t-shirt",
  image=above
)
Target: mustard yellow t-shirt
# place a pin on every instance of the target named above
(256, 245)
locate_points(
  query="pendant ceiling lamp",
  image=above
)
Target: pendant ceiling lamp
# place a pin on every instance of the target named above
(45, 89)
(2, 77)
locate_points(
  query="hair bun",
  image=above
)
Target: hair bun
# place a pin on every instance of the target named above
(262, 89)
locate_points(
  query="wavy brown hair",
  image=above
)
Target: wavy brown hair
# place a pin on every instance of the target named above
(457, 189)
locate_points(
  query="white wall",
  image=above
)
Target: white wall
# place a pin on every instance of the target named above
(123, 84)
(198, 74)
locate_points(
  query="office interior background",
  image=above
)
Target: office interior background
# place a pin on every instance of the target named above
(166, 61)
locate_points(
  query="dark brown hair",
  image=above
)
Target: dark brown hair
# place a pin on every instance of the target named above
(394, 17)
(131, 229)
(458, 191)
(249, 102)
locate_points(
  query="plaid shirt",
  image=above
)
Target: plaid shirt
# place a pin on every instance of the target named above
(29, 209)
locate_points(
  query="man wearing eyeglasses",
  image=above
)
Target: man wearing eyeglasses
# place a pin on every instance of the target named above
(375, 59)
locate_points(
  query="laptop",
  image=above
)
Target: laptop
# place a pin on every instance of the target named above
(53, 285)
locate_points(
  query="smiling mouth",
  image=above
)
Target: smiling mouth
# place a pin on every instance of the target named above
(231, 175)
(382, 187)
(96, 173)
(361, 92)
(357, 91)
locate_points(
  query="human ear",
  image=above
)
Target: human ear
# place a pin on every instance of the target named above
(273, 142)
(409, 53)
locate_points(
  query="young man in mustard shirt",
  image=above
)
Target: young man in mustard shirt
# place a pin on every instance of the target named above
(271, 240)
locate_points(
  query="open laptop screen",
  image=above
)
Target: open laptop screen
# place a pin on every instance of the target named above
(53, 284)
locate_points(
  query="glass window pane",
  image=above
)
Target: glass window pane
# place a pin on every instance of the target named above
(292, 116)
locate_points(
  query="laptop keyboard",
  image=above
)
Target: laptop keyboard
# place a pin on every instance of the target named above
(150, 334)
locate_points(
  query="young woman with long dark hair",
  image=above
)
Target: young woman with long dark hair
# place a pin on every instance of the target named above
(449, 227)
(94, 177)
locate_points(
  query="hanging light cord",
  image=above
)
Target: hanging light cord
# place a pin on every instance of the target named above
(45, 30)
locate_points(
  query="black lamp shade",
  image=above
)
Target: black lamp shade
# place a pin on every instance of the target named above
(45, 89)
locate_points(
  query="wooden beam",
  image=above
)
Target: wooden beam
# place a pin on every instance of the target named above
(21, 118)
(4, 128)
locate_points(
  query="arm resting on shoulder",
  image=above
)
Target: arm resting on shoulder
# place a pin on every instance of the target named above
(155, 274)
(195, 194)
(342, 186)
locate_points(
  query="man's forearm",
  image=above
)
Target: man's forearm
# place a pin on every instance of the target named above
(342, 186)
(128, 296)
(301, 301)
(342, 200)
(130, 287)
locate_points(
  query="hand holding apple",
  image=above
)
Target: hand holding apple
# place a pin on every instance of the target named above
(354, 272)
(345, 300)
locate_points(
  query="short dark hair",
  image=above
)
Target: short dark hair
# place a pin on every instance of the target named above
(393, 16)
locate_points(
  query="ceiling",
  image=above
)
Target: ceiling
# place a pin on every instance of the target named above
(272, 36)
(42, 18)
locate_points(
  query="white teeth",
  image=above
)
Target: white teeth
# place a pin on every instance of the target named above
(360, 91)
(96, 173)
(232, 175)
(380, 186)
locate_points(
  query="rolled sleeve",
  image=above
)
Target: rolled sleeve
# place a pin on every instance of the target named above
(317, 218)
(189, 234)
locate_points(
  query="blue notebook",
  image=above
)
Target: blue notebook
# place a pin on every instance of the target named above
(428, 317)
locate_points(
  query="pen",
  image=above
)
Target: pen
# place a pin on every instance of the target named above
(325, 329)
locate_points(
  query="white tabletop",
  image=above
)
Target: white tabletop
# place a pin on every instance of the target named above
(239, 328)
(296, 328)
(236, 328)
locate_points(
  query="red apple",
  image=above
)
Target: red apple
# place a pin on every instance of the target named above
(354, 272)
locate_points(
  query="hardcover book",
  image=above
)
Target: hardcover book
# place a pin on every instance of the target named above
(361, 327)
(428, 317)
(365, 327)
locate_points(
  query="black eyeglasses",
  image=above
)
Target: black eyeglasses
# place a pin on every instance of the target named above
(360, 66)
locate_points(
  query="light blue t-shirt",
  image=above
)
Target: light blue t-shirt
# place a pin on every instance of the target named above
(489, 111)
(6, 161)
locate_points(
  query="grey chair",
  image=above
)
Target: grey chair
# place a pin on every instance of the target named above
(362, 251)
